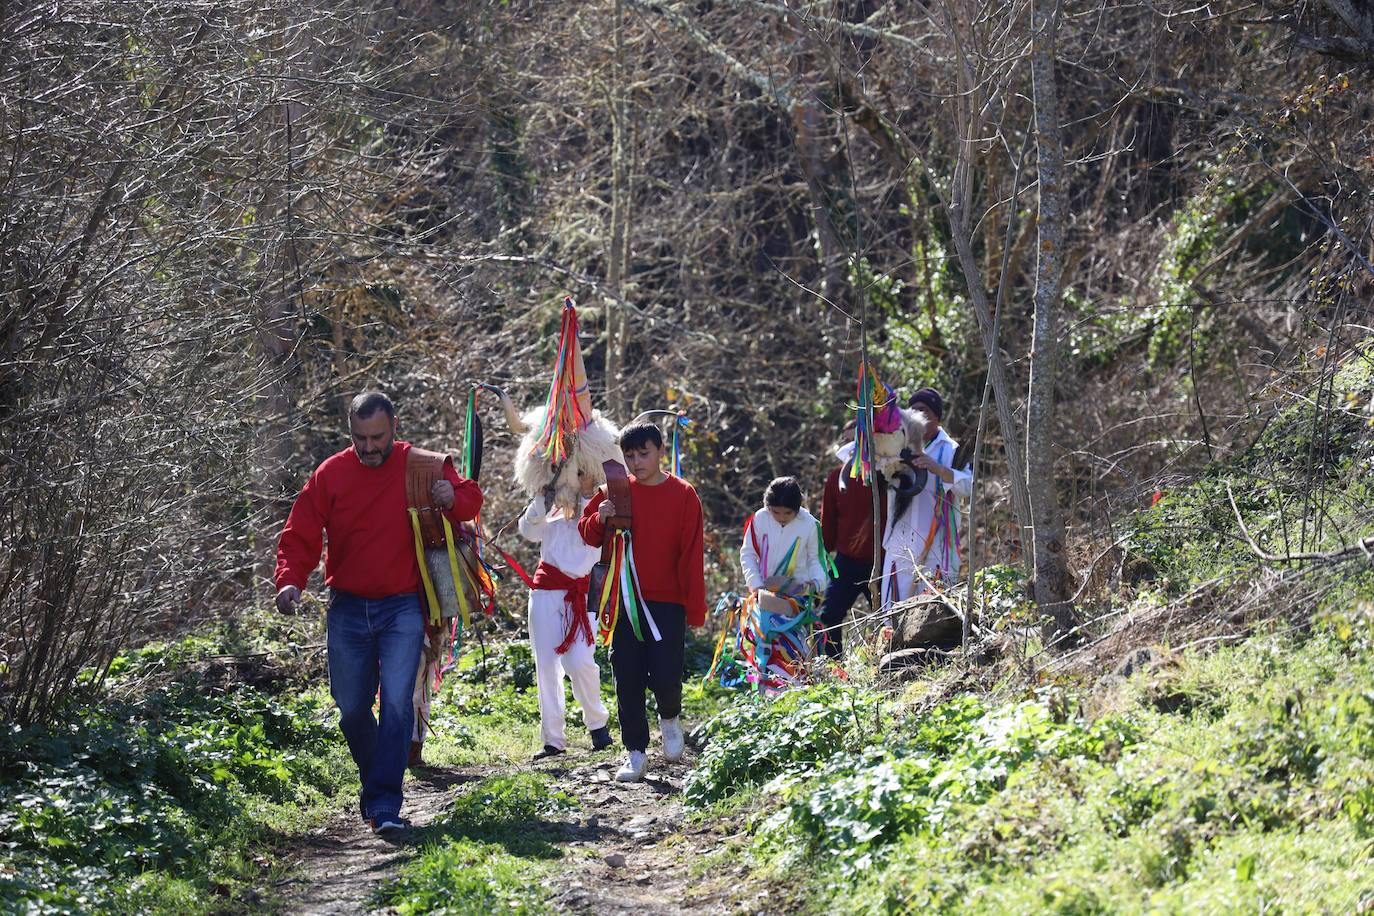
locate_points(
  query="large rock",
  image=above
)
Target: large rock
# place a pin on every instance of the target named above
(925, 623)
(901, 660)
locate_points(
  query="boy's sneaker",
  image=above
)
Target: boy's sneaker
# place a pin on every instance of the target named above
(548, 751)
(389, 825)
(673, 741)
(633, 768)
(601, 738)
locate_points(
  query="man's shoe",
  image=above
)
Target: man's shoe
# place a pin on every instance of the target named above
(548, 751)
(389, 825)
(673, 741)
(415, 759)
(601, 738)
(633, 768)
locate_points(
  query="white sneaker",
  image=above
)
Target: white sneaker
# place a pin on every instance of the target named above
(673, 742)
(633, 768)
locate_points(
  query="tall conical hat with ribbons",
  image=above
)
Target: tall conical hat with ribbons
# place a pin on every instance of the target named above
(892, 429)
(566, 434)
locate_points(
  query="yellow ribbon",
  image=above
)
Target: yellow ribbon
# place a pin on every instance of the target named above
(453, 568)
(435, 615)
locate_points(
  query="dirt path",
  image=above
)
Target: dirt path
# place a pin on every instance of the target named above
(627, 847)
(336, 868)
(631, 850)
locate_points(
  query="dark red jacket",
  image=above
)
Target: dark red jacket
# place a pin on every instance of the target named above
(667, 529)
(847, 518)
(362, 511)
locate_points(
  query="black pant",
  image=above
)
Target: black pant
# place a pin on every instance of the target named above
(840, 596)
(655, 665)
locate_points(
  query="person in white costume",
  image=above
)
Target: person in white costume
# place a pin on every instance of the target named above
(560, 461)
(562, 644)
(926, 534)
(769, 537)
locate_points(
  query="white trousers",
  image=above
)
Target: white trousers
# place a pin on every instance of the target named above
(900, 581)
(548, 626)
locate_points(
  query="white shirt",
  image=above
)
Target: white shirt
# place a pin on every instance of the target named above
(559, 542)
(774, 540)
(905, 539)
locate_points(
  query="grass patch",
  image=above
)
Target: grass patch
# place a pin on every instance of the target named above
(487, 854)
(487, 709)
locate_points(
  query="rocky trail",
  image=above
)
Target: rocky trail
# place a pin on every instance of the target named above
(627, 848)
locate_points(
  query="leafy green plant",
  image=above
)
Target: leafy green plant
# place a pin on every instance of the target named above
(960, 754)
(463, 877)
(98, 808)
(509, 810)
(756, 740)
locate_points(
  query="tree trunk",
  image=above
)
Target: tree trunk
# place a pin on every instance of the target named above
(959, 207)
(618, 253)
(280, 314)
(1053, 590)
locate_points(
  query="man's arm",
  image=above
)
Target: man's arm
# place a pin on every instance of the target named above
(692, 560)
(960, 481)
(591, 526)
(302, 540)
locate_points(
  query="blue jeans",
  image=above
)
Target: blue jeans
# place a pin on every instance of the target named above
(376, 641)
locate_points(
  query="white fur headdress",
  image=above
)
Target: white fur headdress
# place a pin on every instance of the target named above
(575, 438)
(595, 444)
(910, 434)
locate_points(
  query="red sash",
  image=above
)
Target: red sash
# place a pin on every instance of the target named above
(753, 538)
(551, 578)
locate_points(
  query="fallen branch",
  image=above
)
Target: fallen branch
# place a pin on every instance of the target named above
(1363, 546)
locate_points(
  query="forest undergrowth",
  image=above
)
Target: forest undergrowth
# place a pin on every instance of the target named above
(1227, 773)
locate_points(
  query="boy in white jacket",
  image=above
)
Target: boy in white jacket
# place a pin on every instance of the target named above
(782, 541)
(562, 624)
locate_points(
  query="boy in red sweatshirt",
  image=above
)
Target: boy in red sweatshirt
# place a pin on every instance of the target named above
(666, 537)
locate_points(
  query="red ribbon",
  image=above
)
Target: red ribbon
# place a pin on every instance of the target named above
(551, 578)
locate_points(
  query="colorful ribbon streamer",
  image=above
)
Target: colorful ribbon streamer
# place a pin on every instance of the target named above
(679, 424)
(622, 593)
(567, 409)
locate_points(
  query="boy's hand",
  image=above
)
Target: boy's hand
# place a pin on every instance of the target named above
(605, 511)
(928, 463)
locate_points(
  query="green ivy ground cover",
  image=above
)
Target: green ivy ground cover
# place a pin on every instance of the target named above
(167, 804)
(1257, 795)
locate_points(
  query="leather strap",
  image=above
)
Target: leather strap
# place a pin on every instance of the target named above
(618, 492)
(423, 469)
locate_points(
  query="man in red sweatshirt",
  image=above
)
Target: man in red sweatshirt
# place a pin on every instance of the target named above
(847, 531)
(357, 498)
(666, 538)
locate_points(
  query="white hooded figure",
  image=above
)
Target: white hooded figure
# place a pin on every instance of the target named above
(922, 528)
(560, 480)
(551, 608)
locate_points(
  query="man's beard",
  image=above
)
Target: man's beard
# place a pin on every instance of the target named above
(381, 456)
